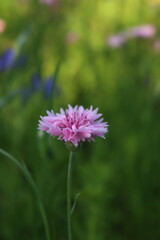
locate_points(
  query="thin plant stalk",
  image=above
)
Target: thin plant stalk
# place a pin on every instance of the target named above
(69, 182)
(27, 174)
(43, 214)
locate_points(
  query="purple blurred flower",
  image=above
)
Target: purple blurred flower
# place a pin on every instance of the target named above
(48, 87)
(116, 41)
(35, 82)
(7, 60)
(143, 31)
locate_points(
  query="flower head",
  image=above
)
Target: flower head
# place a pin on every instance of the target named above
(36, 82)
(74, 125)
(2, 25)
(48, 87)
(141, 31)
(72, 37)
(7, 59)
(49, 2)
(116, 41)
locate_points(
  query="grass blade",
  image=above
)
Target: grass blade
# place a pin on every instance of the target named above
(31, 182)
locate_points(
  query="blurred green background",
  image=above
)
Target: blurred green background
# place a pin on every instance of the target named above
(64, 43)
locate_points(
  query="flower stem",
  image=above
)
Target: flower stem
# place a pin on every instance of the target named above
(43, 214)
(69, 181)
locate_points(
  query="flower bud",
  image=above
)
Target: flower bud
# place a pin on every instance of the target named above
(70, 146)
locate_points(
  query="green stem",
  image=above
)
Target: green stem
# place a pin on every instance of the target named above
(43, 214)
(69, 181)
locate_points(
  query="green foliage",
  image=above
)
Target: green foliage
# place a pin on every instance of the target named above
(117, 178)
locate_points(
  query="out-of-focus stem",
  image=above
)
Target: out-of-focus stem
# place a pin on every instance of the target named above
(69, 181)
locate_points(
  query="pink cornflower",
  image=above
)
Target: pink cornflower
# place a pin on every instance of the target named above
(74, 124)
(142, 31)
(49, 2)
(72, 37)
(2, 25)
(116, 41)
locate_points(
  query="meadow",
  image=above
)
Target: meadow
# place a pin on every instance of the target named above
(103, 53)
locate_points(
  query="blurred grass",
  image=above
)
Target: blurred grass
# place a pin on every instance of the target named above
(118, 178)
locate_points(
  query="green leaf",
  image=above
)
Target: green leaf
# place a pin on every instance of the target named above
(32, 184)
